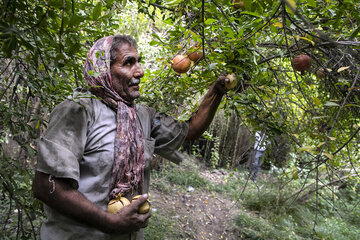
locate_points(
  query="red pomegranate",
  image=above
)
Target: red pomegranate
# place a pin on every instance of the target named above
(194, 56)
(301, 63)
(181, 64)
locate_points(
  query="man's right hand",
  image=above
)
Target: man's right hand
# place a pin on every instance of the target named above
(129, 218)
(70, 202)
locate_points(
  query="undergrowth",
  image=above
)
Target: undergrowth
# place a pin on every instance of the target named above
(268, 211)
(163, 228)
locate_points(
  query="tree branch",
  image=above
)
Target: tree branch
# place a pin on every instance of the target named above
(227, 18)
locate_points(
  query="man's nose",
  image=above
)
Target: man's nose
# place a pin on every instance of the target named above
(139, 72)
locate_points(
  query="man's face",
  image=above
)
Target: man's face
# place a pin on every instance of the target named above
(126, 73)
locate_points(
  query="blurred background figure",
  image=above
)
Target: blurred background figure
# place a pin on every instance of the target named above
(259, 149)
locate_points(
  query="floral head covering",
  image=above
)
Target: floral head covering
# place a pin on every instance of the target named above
(128, 168)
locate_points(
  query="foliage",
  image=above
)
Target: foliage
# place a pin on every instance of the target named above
(163, 228)
(17, 204)
(266, 211)
(187, 176)
(271, 214)
(44, 42)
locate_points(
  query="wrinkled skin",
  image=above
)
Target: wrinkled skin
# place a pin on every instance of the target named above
(126, 73)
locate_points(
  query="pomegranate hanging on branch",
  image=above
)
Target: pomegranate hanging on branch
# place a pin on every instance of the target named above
(301, 63)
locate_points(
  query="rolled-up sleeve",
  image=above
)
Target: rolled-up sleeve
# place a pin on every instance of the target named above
(61, 147)
(169, 135)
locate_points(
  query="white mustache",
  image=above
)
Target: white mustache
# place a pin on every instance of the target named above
(134, 81)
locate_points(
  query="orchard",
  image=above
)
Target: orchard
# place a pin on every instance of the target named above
(296, 65)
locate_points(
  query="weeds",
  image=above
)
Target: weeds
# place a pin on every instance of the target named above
(163, 228)
(267, 212)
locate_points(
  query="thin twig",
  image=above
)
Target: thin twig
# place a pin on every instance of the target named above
(62, 26)
(8, 86)
(7, 66)
(159, 6)
(203, 27)
(225, 15)
(347, 142)
(266, 23)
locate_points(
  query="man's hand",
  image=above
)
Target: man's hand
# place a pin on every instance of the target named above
(72, 203)
(220, 84)
(129, 218)
(223, 80)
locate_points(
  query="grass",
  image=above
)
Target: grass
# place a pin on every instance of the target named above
(267, 213)
(181, 176)
(163, 228)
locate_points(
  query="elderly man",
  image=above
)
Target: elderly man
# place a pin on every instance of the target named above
(96, 148)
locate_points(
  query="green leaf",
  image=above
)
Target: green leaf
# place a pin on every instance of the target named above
(352, 105)
(331, 104)
(250, 13)
(308, 149)
(154, 43)
(309, 40)
(30, 150)
(291, 4)
(9, 45)
(210, 21)
(311, 3)
(172, 3)
(355, 33)
(97, 11)
(75, 20)
(316, 101)
(328, 155)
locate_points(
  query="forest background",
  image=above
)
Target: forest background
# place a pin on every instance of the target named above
(311, 117)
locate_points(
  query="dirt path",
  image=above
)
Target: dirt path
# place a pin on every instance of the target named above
(199, 214)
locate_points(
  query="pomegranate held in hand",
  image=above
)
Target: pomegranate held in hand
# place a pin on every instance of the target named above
(145, 207)
(232, 81)
(115, 204)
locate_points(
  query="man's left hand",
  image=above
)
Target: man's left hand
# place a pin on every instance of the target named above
(220, 84)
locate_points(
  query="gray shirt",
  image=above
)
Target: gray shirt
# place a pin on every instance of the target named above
(79, 145)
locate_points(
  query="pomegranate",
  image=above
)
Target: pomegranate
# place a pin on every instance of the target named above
(232, 81)
(181, 64)
(194, 55)
(145, 207)
(301, 63)
(320, 73)
(238, 4)
(115, 204)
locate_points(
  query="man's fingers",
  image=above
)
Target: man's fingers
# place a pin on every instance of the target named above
(145, 218)
(140, 200)
(223, 74)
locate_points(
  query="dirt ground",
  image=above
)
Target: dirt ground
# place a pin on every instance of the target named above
(200, 214)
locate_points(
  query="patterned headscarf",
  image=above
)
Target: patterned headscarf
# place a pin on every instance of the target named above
(128, 168)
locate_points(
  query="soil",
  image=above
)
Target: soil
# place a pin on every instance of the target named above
(200, 214)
